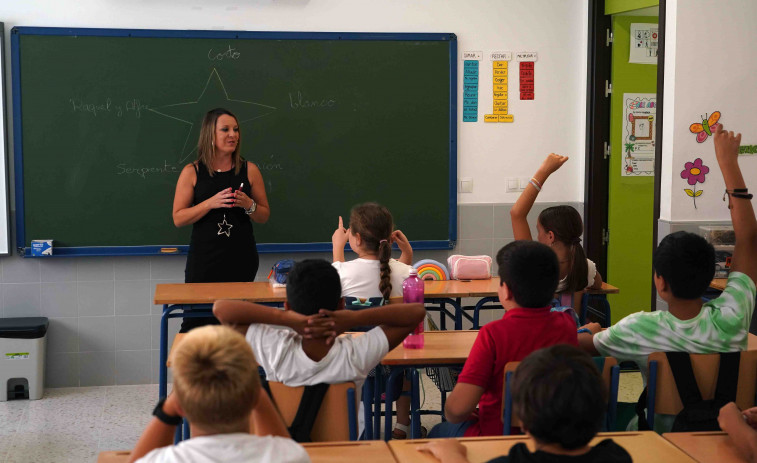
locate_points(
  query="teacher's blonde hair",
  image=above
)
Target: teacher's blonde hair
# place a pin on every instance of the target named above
(206, 146)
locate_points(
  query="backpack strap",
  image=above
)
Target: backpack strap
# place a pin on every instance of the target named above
(307, 411)
(683, 374)
(728, 377)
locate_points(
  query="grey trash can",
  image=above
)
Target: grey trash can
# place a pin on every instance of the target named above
(22, 357)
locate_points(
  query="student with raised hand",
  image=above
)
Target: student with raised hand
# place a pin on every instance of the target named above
(742, 428)
(374, 273)
(371, 234)
(559, 227)
(556, 393)
(301, 345)
(217, 388)
(528, 277)
(684, 264)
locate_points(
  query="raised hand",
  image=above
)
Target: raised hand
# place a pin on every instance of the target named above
(340, 236)
(552, 163)
(726, 145)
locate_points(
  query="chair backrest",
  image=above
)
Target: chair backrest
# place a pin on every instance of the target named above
(337, 418)
(610, 378)
(706, 367)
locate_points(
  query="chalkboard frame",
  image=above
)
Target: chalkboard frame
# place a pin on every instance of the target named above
(17, 32)
(5, 246)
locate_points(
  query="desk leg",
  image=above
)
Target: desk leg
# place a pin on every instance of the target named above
(367, 400)
(458, 314)
(377, 382)
(584, 308)
(162, 385)
(444, 401)
(388, 402)
(415, 405)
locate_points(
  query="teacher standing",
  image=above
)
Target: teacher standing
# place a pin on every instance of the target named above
(220, 194)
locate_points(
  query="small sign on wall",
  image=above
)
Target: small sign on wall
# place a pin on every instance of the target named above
(639, 134)
(644, 43)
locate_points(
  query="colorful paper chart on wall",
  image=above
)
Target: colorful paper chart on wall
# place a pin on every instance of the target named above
(470, 85)
(644, 43)
(499, 88)
(639, 134)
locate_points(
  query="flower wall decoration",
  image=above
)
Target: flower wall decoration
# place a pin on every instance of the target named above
(694, 172)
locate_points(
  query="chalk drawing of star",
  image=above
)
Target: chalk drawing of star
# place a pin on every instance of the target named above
(213, 95)
(224, 228)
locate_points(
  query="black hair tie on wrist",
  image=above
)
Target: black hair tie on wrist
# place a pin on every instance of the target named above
(742, 193)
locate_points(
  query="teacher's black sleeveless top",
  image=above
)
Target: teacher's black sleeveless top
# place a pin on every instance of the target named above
(222, 247)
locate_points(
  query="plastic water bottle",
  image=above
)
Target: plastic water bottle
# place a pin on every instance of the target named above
(412, 291)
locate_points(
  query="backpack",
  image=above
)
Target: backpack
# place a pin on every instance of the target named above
(280, 271)
(697, 414)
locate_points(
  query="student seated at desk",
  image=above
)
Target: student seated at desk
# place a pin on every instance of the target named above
(684, 264)
(314, 353)
(559, 227)
(742, 428)
(529, 272)
(216, 387)
(555, 392)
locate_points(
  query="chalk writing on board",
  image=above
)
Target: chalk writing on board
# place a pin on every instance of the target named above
(108, 107)
(167, 168)
(269, 164)
(230, 53)
(298, 102)
(212, 95)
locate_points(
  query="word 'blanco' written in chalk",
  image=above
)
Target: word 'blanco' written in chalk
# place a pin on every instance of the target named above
(107, 107)
(167, 168)
(230, 53)
(303, 103)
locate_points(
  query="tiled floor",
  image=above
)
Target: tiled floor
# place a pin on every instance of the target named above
(75, 424)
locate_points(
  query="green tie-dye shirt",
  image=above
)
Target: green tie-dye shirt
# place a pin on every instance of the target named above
(721, 326)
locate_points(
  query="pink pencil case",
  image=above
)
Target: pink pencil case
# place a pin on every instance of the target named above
(469, 267)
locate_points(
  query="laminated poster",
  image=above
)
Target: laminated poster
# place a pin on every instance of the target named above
(639, 134)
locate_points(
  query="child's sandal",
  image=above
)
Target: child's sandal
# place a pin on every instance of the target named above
(401, 431)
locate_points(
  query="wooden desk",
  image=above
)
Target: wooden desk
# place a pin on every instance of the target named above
(751, 343)
(349, 452)
(644, 446)
(320, 452)
(208, 293)
(718, 283)
(439, 348)
(706, 446)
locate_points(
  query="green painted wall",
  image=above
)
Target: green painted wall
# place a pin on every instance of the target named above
(631, 199)
(622, 6)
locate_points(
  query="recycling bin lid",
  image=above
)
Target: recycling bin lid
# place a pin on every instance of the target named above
(23, 327)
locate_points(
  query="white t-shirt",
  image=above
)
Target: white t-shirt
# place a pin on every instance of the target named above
(592, 273)
(279, 351)
(361, 277)
(235, 447)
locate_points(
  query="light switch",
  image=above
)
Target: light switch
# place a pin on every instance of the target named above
(466, 185)
(512, 185)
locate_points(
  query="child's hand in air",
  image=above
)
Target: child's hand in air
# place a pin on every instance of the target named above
(341, 235)
(726, 145)
(402, 241)
(552, 163)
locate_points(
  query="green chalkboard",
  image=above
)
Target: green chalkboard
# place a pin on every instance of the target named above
(104, 121)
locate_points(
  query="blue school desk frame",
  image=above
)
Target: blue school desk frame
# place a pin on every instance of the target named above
(152, 250)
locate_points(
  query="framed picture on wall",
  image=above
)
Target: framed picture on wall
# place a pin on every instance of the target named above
(4, 196)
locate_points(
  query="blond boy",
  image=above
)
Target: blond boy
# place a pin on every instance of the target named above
(217, 388)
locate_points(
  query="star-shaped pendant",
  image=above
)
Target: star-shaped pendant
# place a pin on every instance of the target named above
(224, 228)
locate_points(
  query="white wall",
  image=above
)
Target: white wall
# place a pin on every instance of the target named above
(488, 153)
(710, 66)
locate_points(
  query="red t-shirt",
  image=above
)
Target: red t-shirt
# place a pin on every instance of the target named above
(511, 339)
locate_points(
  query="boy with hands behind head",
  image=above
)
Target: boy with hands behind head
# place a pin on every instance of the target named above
(217, 388)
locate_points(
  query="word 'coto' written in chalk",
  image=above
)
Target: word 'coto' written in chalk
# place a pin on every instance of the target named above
(108, 107)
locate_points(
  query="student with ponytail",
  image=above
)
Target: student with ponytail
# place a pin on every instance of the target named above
(559, 227)
(374, 273)
(371, 234)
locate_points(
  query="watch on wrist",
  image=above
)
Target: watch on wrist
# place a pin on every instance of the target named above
(163, 416)
(252, 208)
